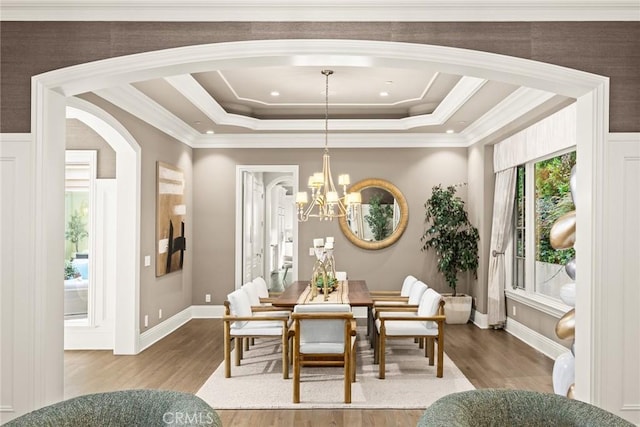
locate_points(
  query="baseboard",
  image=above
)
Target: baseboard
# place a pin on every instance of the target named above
(536, 340)
(155, 334)
(481, 320)
(207, 311)
(87, 337)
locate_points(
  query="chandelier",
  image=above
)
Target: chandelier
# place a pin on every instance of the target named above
(325, 202)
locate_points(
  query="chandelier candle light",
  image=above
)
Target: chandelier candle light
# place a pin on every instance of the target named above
(325, 202)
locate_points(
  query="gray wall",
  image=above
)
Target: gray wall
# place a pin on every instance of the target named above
(82, 137)
(413, 170)
(606, 48)
(172, 292)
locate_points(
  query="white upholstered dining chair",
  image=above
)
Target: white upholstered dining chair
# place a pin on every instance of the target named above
(240, 322)
(427, 322)
(323, 334)
(417, 289)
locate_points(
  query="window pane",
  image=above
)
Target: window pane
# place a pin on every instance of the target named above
(519, 230)
(76, 269)
(552, 200)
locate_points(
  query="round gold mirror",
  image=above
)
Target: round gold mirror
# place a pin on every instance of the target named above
(380, 219)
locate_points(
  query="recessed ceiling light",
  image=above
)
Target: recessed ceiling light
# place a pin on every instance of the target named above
(384, 94)
(275, 93)
(450, 131)
(209, 132)
(389, 82)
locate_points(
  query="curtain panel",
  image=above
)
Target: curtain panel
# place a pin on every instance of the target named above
(501, 227)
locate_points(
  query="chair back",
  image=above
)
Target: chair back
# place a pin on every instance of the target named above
(406, 285)
(417, 290)
(322, 335)
(341, 275)
(251, 288)
(239, 305)
(261, 287)
(429, 304)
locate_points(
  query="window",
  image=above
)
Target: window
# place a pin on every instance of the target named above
(80, 171)
(538, 268)
(519, 230)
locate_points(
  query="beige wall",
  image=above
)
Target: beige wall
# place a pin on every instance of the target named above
(480, 208)
(82, 137)
(413, 170)
(536, 320)
(172, 292)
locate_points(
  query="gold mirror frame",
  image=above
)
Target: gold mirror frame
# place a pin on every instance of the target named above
(402, 224)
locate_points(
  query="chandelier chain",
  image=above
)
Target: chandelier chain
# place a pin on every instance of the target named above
(326, 73)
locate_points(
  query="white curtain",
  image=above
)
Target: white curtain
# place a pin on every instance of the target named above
(501, 227)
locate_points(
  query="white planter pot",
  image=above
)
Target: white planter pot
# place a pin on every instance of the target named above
(457, 309)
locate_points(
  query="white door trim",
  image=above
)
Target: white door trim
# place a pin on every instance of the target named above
(240, 169)
(128, 173)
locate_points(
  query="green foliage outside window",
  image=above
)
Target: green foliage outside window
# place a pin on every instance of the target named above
(553, 199)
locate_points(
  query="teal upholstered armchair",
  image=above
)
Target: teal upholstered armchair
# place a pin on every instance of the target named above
(124, 408)
(500, 407)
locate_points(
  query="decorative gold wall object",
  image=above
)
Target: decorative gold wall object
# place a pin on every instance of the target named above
(566, 326)
(563, 232)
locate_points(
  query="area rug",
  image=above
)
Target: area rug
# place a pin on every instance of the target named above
(257, 384)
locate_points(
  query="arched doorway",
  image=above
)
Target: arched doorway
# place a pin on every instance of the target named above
(589, 90)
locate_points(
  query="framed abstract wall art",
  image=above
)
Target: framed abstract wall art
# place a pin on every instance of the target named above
(170, 217)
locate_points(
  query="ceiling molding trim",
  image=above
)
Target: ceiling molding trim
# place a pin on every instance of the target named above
(516, 105)
(138, 104)
(316, 141)
(198, 96)
(344, 104)
(456, 98)
(315, 10)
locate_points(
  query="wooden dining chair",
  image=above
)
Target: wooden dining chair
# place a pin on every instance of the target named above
(240, 323)
(427, 322)
(323, 335)
(388, 297)
(410, 303)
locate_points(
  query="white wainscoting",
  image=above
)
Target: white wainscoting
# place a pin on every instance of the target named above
(545, 345)
(617, 339)
(16, 273)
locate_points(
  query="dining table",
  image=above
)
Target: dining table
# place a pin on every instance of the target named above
(357, 294)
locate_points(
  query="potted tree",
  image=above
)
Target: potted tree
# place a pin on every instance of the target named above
(455, 241)
(76, 230)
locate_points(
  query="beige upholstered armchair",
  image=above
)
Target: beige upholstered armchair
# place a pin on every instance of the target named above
(323, 334)
(427, 322)
(240, 322)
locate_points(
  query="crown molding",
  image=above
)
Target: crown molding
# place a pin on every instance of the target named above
(336, 140)
(138, 104)
(316, 10)
(515, 106)
(198, 96)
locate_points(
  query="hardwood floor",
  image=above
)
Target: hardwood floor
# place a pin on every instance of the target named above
(185, 359)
